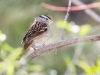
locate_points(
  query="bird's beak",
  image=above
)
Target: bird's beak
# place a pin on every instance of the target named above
(50, 21)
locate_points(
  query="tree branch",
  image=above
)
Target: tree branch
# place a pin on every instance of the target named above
(65, 19)
(61, 44)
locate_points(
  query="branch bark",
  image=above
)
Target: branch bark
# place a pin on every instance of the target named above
(61, 44)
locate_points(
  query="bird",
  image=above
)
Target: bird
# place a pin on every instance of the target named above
(37, 34)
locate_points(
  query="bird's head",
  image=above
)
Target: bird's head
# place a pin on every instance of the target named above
(44, 18)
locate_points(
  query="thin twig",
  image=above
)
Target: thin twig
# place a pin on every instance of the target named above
(65, 19)
(61, 44)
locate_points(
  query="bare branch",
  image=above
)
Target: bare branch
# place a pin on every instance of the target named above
(66, 17)
(61, 44)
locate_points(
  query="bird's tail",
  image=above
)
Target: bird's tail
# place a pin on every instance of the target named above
(20, 54)
(23, 51)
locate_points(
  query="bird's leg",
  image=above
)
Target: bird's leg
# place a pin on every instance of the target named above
(44, 45)
(34, 48)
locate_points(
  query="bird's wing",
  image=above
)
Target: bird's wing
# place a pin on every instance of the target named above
(35, 30)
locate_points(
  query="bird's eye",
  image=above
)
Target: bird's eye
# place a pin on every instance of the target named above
(46, 18)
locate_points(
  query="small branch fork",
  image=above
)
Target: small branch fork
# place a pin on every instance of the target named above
(61, 44)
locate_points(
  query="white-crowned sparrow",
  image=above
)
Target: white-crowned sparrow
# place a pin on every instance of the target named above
(37, 34)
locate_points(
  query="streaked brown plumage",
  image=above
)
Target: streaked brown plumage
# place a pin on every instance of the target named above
(38, 32)
(35, 31)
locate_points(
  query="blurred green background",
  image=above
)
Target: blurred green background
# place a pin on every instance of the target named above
(16, 16)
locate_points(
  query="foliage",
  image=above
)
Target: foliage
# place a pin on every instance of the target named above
(15, 18)
(90, 70)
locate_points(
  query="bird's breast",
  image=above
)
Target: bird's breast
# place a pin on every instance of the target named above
(41, 39)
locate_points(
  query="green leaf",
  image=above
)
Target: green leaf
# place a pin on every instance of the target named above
(85, 67)
(7, 47)
(69, 64)
(61, 24)
(35, 68)
(14, 54)
(98, 63)
(1, 65)
(95, 69)
(10, 69)
(84, 30)
(67, 59)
